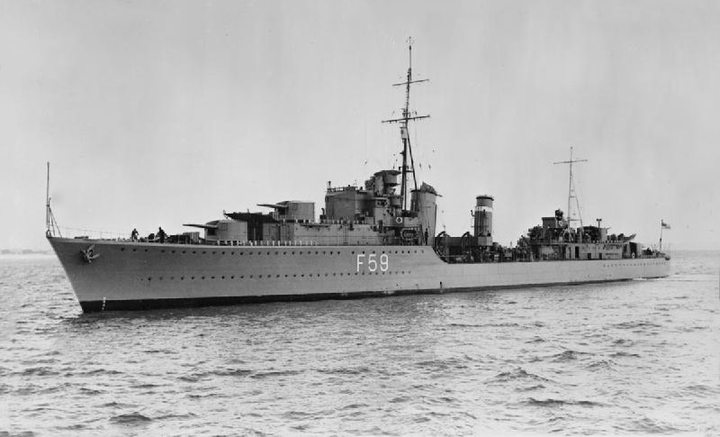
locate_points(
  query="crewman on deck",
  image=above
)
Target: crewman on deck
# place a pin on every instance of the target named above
(161, 234)
(134, 235)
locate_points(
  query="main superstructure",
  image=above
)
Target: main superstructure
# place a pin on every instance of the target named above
(375, 239)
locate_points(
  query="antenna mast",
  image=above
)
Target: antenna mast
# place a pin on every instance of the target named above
(47, 199)
(50, 224)
(407, 116)
(571, 190)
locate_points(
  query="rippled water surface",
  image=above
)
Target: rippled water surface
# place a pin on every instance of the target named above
(635, 357)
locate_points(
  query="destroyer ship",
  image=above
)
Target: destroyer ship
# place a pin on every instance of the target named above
(376, 239)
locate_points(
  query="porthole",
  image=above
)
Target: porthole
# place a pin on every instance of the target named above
(202, 277)
(122, 249)
(172, 251)
(183, 251)
(204, 252)
(182, 278)
(162, 251)
(149, 278)
(192, 277)
(222, 277)
(134, 250)
(194, 251)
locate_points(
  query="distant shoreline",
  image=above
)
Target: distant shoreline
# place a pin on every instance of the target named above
(15, 252)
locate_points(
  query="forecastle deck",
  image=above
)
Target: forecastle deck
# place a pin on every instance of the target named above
(117, 275)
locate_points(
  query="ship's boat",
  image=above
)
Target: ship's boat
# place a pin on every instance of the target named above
(376, 239)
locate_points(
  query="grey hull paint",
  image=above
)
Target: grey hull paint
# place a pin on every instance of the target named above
(127, 275)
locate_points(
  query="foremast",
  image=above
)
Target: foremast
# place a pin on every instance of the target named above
(407, 116)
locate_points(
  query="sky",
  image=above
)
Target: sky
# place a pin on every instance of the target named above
(159, 113)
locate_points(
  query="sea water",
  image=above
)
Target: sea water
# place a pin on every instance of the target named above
(634, 357)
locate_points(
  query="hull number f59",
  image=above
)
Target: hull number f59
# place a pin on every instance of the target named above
(372, 262)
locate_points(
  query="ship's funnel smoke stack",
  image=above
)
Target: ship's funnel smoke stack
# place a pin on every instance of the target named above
(424, 203)
(483, 219)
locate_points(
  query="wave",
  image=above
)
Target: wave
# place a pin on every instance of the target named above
(624, 354)
(518, 374)
(623, 342)
(38, 371)
(231, 372)
(441, 365)
(549, 402)
(484, 325)
(601, 364)
(130, 419)
(272, 374)
(636, 324)
(655, 427)
(567, 355)
(530, 388)
(100, 372)
(346, 371)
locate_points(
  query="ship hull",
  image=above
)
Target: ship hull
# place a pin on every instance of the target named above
(118, 275)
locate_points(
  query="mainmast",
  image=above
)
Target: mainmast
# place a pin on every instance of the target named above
(407, 116)
(571, 190)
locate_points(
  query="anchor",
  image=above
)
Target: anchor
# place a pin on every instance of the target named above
(89, 254)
